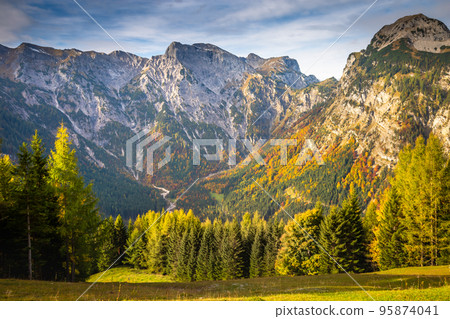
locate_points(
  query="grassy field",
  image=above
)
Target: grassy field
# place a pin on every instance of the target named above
(129, 275)
(217, 197)
(427, 283)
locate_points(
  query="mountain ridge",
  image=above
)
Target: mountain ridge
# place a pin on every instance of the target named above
(385, 99)
(389, 93)
(104, 99)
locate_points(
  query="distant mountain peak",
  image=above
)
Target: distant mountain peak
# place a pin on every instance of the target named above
(421, 32)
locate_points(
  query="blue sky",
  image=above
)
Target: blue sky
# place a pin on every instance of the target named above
(300, 29)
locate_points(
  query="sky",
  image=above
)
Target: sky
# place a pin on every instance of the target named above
(304, 30)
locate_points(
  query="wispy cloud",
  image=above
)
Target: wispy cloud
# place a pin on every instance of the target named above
(12, 22)
(298, 28)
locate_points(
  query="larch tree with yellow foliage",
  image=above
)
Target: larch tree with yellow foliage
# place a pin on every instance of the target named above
(77, 208)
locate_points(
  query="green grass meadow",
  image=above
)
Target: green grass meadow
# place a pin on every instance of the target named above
(122, 283)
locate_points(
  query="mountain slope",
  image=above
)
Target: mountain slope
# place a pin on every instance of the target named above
(190, 91)
(389, 93)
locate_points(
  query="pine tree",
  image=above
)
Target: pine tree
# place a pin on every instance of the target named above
(182, 256)
(215, 265)
(435, 198)
(248, 232)
(370, 220)
(120, 237)
(156, 248)
(194, 242)
(37, 204)
(351, 241)
(48, 242)
(390, 234)
(106, 245)
(328, 240)
(135, 254)
(256, 254)
(231, 251)
(205, 253)
(273, 243)
(25, 197)
(30, 206)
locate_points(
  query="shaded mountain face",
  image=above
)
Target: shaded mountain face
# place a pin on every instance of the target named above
(191, 91)
(389, 94)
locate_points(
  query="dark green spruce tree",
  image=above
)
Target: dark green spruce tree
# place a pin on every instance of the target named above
(120, 236)
(328, 240)
(257, 253)
(231, 251)
(106, 244)
(206, 253)
(348, 244)
(274, 231)
(390, 234)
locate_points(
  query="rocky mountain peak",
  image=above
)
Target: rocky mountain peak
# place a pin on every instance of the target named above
(215, 66)
(255, 61)
(421, 32)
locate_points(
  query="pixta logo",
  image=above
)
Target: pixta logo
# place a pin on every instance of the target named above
(153, 142)
(143, 142)
(307, 153)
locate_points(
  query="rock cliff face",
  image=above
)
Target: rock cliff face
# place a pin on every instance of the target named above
(190, 91)
(389, 94)
(421, 32)
(95, 91)
(394, 90)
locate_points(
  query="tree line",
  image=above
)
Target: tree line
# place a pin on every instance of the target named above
(51, 229)
(409, 226)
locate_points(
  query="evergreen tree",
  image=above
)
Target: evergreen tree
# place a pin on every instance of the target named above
(273, 243)
(106, 244)
(48, 242)
(156, 254)
(351, 251)
(206, 253)
(353, 242)
(390, 234)
(25, 197)
(120, 237)
(36, 203)
(215, 265)
(248, 232)
(194, 243)
(256, 255)
(182, 256)
(137, 241)
(231, 251)
(328, 240)
(370, 220)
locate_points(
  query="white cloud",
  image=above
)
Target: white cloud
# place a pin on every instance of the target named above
(12, 21)
(302, 29)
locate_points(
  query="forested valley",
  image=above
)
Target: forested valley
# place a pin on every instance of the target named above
(51, 229)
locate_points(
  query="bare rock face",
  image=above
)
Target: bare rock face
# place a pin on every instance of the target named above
(385, 101)
(423, 33)
(107, 97)
(213, 66)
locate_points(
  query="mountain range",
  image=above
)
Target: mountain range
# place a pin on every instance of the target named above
(391, 92)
